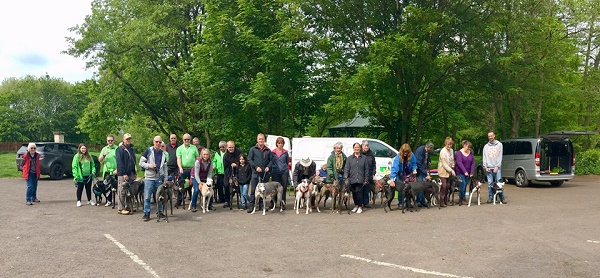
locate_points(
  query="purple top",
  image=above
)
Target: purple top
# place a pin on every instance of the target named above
(464, 163)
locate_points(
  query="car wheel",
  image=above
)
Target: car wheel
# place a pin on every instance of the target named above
(57, 171)
(557, 183)
(521, 179)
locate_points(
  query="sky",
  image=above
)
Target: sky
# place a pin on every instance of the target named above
(32, 37)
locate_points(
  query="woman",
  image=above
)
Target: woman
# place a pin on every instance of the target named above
(244, 173)
(465, 167)
(202, 171)
(404, 168)
(31, 173)
(356, 173)
(280, 172)
(446, 169)
(336, 163)
(84, 171)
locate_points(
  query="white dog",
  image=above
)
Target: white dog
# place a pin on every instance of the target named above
(207, 192)
(476, 189)
(302, 191)
(271, 189)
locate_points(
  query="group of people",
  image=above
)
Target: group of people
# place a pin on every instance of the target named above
(189, 160)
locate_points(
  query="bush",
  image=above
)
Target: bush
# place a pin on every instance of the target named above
(588, 162)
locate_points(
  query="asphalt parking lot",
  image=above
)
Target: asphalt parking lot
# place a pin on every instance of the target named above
(543, 231)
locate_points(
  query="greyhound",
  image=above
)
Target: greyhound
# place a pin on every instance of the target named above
(325, 190)
(342, 190)
(234, 189)
(378, 186)
(272, 189)
(475, 187)
(164, 195)
(109, 180)
(389, 192)
(302, 192)
(454, 187)
(128, 196)
(137, 192)
(417, 187)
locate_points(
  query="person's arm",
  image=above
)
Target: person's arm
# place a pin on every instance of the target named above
(93, 166)
(251, 159)
(446, 161)
(346, 170)
(197, 171)
(210, 170)
(413, 164)
(178, 154)
(144, 160)
(330, 167)
(395, 168)
(460, 163)
(366, 172)
(472, 166)
(102, 155)
(75, 168)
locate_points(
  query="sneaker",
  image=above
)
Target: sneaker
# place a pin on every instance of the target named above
(194, 210)
(124, 212)
(29, 203)
(249, 210)
(161, 215)
(489, 201)
(355, 209)
(212, 208)
(503, 200)
(78, 203)
(226, 205)
(93, 203)
(108, 204)
(359, 210)
(146, 217)
(36, 200)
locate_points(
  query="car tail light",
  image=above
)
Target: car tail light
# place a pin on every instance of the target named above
(290, 163)
(537, 159)
(573, 160)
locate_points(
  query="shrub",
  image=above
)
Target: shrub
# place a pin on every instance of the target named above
(588, 162)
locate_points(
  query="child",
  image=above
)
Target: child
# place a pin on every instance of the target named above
(244, 174)
(323, 172)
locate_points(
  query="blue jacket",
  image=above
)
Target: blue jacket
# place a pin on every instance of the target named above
(422, 165)
(397, 166)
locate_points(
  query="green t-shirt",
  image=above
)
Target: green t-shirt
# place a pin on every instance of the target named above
(110, 160)
(188, 155)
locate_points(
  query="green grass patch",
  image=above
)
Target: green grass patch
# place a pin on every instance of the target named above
(8, 166)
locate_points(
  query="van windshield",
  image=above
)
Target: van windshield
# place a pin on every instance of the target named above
(380, 150)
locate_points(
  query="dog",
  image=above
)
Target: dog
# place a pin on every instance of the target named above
(390, 191)
(234, 190)
(325, 190)
(101, 189)
(341, 196)
(302, 192)
(475, 187)
(137, 192)
(271, 189)
(109, 180)
(454, 187)
(128, 196)
(207, 192)
(164, 195)
(314, 191)
(180, 189)
(414, 188)
(497, 189)
(378, 186)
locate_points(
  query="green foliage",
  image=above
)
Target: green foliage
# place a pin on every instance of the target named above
(588, 162)
(8, 168)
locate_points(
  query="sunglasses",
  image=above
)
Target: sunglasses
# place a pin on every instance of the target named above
(186, 139)
(33, 148)
(109, 140)
(157, 141)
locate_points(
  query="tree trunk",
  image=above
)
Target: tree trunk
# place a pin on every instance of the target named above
(538, 119)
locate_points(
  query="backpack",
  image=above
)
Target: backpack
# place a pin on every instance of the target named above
(146, 154)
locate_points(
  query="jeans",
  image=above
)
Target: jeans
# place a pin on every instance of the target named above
(462, 186)
(365, 193)
(491, 178)
(244, 193)
(32, 183)
(150, 187)
(421, 196)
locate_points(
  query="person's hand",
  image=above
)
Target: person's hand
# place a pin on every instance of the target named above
(428, 178)
(364, 183)
(152, 166)
(80, 180)
(180, 170)
(230, 181)
(415, 172)
(258, 169)
(233, 165)
(453, 173)
(106, 153)
(487, 170)
(466, 174)
(266, 169)
(470, 176)
(126, 177)
(392, 183)
(114, 172)
(495, 170)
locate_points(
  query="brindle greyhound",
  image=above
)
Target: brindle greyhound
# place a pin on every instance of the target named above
(234, 189)
(112, 182)
(325, 190)
(342, 195)
(164, 195)
(454, 187)
(378, 186)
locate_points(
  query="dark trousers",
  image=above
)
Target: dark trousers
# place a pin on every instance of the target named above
(222, 191)
(444, 190)
(357, 193)
(365, 193)
(184, 175)
(87, 183)
(282, 178)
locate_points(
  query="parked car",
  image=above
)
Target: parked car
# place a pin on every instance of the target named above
(549, 158)
(55, 159)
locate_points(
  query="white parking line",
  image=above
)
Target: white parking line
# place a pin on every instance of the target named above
(593, 241)
(133, 256)
(417, 270)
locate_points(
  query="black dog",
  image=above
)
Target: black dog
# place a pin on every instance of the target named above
(164, 195)
(414, 188)
(234, 189)
(109, 180)
(136, 188)
(390, 191)
(101, 189)
(180, 189)
(454, 187)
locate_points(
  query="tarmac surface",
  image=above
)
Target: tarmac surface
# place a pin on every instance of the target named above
(543, 231)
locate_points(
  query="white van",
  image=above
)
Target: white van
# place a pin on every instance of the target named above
(320, 148)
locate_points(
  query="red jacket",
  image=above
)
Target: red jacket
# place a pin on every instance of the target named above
(27, 163)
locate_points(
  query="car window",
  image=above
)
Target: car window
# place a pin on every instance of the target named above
(73, 149)
(379, 150)
(508, 148)
(46, 148)
(523, 147)
(65, 149)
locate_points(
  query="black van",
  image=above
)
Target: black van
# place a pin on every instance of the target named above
(550, 158)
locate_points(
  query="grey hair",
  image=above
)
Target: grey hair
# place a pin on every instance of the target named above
(429, 145)
(31, 145)
(338, 144)
(222, 143)
(365, 142)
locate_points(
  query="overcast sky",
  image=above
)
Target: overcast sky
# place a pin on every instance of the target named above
(32, 37)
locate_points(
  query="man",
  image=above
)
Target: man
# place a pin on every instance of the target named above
(196, 142)
(172, 151)
(126, 171)
(366, 151)
(305, 169)
(492, 162)
(220, 169)
(231, 159)
(108, 155)
(423, 157)
(154, 161)
(186, 158)
(259, 158)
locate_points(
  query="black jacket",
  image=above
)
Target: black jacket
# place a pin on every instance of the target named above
(244, 173)
(172, 163)
(356, 169)
(125, 160)
(260, 158)
(229, 158)
(299, 172)
(371, 164)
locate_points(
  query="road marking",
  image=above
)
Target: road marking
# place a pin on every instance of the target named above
(133, 256)
(594, 241)
(417, 270)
